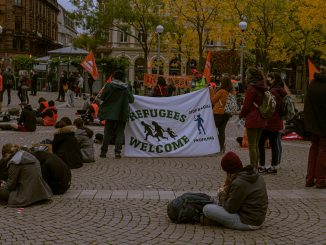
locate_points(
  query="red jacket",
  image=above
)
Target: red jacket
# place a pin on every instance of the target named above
(275, 123)
(254, 94)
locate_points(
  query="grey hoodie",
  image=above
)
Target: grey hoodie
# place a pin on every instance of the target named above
(25, 181)
(248, 197)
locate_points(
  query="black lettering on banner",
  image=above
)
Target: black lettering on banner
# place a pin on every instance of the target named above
(162, 113)
(139, 114)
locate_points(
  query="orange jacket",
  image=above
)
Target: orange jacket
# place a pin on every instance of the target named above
(48, 120)
(218, 100)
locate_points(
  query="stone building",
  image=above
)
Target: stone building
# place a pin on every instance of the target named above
(66, 28)
(28, 27)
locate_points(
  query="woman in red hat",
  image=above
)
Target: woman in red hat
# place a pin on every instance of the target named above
(243, 199)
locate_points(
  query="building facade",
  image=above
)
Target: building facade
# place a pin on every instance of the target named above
(28, 27)
(66, 28)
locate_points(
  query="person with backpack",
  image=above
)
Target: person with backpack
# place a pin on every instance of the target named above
(315, 123)
(254, 121)
(243, 199)
(273, 127)
(219, 100)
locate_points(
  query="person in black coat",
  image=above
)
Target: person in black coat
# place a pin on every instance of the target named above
(65, 144)
(315, 123)
(26, 121)
(54, 171)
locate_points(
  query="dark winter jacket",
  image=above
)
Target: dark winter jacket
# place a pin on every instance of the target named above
(28, 119)
(54, 171)
(254, 95)
(25, 181)
(115, 101)
(248, 197)
(315, 106)
(86, 145)
(275, 122)
(65, 146)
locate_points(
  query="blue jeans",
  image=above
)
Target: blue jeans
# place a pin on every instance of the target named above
(70, 98)
(221, 216)
(113, 129)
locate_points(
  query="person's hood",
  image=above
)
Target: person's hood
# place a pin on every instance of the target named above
(65, 130)
(81, 132)
(259, 85)
(320, 77)
(22, 157)
(248, 174)
(119, 84)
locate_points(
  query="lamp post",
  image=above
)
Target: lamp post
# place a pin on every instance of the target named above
(159, 30)
(243, 26)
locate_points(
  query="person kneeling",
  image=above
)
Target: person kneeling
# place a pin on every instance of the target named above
(243, 200)
(25, 184)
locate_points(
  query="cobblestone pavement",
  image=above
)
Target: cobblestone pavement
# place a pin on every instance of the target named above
(124, 201)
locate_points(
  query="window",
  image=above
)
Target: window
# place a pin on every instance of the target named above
(19, 3)
(123, 37)
(141, 37)
(18, 24)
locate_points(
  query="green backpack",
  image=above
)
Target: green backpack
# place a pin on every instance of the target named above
(267, 108)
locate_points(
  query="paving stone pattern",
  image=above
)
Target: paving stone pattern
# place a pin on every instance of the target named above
(124, 201)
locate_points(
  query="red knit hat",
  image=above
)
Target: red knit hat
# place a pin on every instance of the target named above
(231, 163)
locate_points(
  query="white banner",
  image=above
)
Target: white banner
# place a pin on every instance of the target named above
(178, 126)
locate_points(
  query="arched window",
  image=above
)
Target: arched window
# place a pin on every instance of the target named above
(175, 67)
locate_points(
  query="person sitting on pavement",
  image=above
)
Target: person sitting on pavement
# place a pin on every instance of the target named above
(84, 137)
(54, 171)
(26, 121)
(25, 185)
(43, 104)
(65, 144)
(243, 200)
(49, 116)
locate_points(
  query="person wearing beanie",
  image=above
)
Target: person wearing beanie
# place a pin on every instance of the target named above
(243, 199)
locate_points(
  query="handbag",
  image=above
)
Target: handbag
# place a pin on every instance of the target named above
(231, 106)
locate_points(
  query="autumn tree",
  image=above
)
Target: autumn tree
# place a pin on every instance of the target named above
(135, 18)
(198, 17)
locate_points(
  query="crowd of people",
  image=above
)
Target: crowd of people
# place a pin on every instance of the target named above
(242, 201)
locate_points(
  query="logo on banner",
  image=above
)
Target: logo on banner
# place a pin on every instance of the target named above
(200, 125)
(156, 131)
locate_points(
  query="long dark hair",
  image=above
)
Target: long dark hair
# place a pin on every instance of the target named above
(226, 83)
(253, 75)
(277, 80)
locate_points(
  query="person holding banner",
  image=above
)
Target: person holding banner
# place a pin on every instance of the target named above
(218, 100)
(114, 109)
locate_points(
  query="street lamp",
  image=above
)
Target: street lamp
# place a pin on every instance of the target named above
(159, 30)
(243, 26)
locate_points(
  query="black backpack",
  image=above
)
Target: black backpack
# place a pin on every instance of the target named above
(188, 207)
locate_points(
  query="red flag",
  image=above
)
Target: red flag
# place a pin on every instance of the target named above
(89, 65)
(312, 70)
(110, 79)
(207, 70)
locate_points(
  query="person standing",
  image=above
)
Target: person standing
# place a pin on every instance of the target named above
(80, 86)
(70, 92)
(273, 127)
(218, 100)
(33, 83)
(62, 85)
(115, 111)
(254, 122)
(90, 82)
(315, 123)
(8, 83)
(160, 89)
